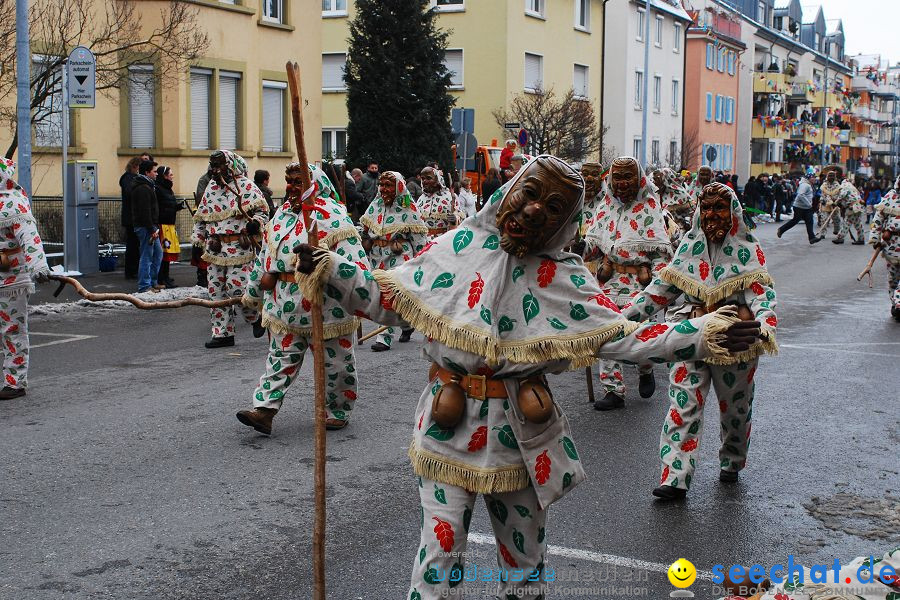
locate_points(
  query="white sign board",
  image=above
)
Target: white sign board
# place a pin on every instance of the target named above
(82, 78)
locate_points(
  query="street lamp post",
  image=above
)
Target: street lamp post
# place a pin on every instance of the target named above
(23, 96)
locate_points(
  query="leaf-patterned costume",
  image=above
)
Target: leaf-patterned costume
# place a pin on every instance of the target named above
(678, 202)
(286, 311)
(886, 224)
(630, 236)
(23, 258)
(853, 208)
(222, 214)
(731, 273)
(400, 221)
(829, 201)
(485, 312)
(438, 210)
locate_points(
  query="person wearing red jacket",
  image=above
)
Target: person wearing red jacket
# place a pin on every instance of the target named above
(505, 157)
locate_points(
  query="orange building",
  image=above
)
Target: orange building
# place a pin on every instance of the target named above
(711, 74)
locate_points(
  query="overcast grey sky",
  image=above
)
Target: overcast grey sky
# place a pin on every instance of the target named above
(870, 26)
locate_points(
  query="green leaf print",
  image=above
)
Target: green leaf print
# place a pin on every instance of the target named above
(694, 428)
(491, 243)
(505, 324)
(518, 540)
(289, 306)
(683, 249)
(676, 464)
(567, 480)
(483, 411)
(681, 398)
(507, 437)
(333, 292)
(418, 276)
(686, 353)
(517, 272)
(540, 536)
(557, 324)
(569, 447)
(743, 255)
(728, 250)
(729, 378)
(530, 306)
(578, 280)
(698, 248)
(665, 450)
(444, 280)
(577, 312)
(337, 312)
(439, 433)
(523, 511)
(415, 595)
(346, 270)
(686, 328)
(718, 271)
(431, 576)
(440, 495)
(363, 293)
(467, 517)
(498, 509)
(462, 239)
(486, 314)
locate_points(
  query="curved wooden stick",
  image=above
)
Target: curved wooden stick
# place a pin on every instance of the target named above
(142, 304)
(869, 265)
(372, 334)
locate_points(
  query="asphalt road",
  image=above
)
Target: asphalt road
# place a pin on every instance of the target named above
(124, 473)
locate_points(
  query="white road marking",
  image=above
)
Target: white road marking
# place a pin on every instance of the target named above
(67, 337)
(841, 350)
(596, 557)
(845, 344)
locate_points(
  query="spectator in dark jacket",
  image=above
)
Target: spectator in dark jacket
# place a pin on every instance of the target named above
(168, 206)
(779, 197)
(490, 185)
(751, 193)
(356, 204)
(197, 251)
(368, 184)
(132, 246)
(765, 193)
(145, 217)
(261, 179)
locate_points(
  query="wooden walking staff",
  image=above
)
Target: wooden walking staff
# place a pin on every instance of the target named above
(869, 265)
(824, 225)
(293, 75)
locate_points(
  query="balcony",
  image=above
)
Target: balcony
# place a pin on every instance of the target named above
(880, 148)
(771, 83)
(843, 137)
(813, 135)
(860, 83)
(802, 93)
(819, 99)
(769, 131)
(862, 111)
(858, 141)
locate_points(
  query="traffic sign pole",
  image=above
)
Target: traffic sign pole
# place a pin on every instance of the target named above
(64, 142)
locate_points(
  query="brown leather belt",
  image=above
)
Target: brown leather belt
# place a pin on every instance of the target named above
(6, 255)
(381, 243)
(631, 269)
(287, 277)
(475, 386)
(433, 232)
(11, 251)
(235, 237)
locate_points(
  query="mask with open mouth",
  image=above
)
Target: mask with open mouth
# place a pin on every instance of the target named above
(704, 176)
(592, 174)
(715, 212)
(218, 166)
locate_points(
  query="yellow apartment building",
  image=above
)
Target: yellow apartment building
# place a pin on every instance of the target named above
(233, 97)
(497, 49)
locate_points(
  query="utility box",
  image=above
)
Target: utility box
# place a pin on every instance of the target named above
(81, 219)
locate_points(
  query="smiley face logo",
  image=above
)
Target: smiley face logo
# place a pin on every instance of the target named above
(682, 573)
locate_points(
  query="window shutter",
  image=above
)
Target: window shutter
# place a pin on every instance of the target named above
(453, 60)
(200, 110)
(533, 72)
(229, 86)
(581, 81)
(273, 116)
(333, 71)
(141, 106)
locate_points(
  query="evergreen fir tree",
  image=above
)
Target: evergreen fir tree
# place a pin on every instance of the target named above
(397, 99)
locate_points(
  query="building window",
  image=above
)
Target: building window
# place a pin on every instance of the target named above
(709, 106)
(654, 152)
(229, 109)
(719, 108)
(636, 148)
(659, 30)
(449, 5)
(676, 46)
(142, 106)
(580, 81)
(333, 65)
(720, 63)
(729, 110)
(273, 11)
(48, 115)
(676, 95)
(200, 97)
(334, 143)
(710, 56)
(453, 60)
(273, 116)
(641, 13)
(761, 12)
(638, 89)
(334, 8)
(534, 72)
(583, 14)
(674, 159)
(657, 93)
(535, 8)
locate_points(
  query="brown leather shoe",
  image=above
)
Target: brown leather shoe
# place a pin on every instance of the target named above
(259, 419)
(8, 393)
(335, 424)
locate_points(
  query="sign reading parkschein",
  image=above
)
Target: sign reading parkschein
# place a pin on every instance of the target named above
(82, 78)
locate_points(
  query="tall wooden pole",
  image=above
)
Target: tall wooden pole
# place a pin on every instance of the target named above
(293, 74)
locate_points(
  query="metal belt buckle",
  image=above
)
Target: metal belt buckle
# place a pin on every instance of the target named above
(483, 380)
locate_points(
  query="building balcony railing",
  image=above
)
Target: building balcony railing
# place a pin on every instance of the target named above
(820, 98)
(880, 147)
(771, 83)
(843, 137)
(802, 93)
(861, 111)
(813, 135)
(769, 130)
(858, 141)
(861, 83)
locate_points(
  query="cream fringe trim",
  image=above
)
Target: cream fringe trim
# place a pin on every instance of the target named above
(893, 211)
(251, 302)
(483, 481)
(19, 218)
(575, 347)
(312, 286)
(329, 331)
(227, 261)
(344, 233)
(711, 295)
(215, 217)
(377, 230)
(17, 289)
(664, 248)
(714, 335)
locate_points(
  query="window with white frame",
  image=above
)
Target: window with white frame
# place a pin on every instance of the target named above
(273, 11)
(717, 164)
(720, 62)
(142, 106)
(334, 8)
(333, 65)
(273, 116)
(719, 108)
(773, 152)
(449, 5)
(334, 143)
(583, 14)
(732, 63)
(659, 30)
(229, 109)
(676, 96)
(639, 34)
(654, 152)
(580, 81)
(535, 8)
(453, 60)
(638, 89)
(676, 44)
(761, 12)
(200, 101)
(47, 116)
(636, 148)
(709, 106)
(657, 93)
(534, 72)
(729, 110)
(710, 56)
(673, 152)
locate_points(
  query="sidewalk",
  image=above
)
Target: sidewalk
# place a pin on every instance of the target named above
(182, 272)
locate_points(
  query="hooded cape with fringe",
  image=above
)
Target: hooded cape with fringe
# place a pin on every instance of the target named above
(400, 217)
(220, 203)
(18, 229)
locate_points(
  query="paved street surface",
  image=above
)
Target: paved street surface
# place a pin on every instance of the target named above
(125, 474)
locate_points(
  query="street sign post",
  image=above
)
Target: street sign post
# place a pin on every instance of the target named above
(462, 120)
(514, 125)
(466, 147)
(82, 78)
(711, 154)
(523, 139)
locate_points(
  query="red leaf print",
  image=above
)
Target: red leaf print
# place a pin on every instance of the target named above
(751, 374)
(611, 226)
(479, 439)
(661, 300)
(306, 304)
(623, 280)
(676, 418)
(276, 227)
(350, 394)
(475, 289)
(681, 374)
(602, 300)
(760, 256)
(5, 316)
(380, 219)
(734, 225)
(345, 343)
(9, 280)
(362, 265)
(422, 418)
(651, 332)
(19, 360)
(652, 203)
(633, 224)
(268, 263)
(286, 341)
(689, 445)
(322, 234)
(772, 321)
(444, 533)
(10, 347)
(624, 254)
(643, 181)
(298, 228)
(651, 233)
(704, 269)
(425, 248)
(723, 406)
(546, 272)
(542, 468)
(11, 380)
(386, 303)
(699, 397)
(757, 288)
(665, 475)
(507, 556)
